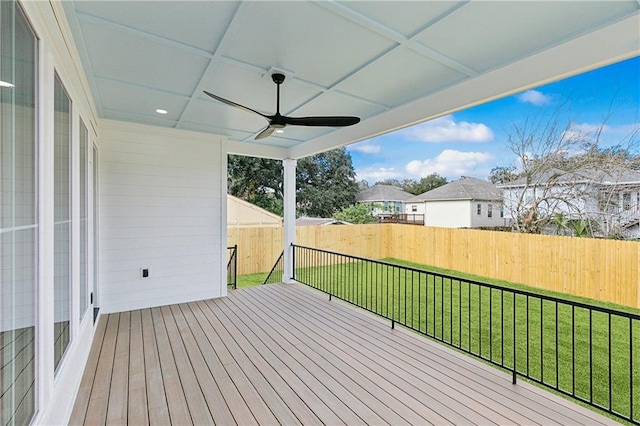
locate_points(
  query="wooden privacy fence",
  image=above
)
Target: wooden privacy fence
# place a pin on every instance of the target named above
(605, 270)
(259, 248)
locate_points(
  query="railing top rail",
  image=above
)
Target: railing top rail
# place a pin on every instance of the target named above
(602, 309)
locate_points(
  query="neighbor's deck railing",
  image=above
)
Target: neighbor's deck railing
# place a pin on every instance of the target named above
(407, 218)
(232, 266)
(587, 352)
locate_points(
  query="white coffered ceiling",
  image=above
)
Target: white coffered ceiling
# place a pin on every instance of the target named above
(391, 63)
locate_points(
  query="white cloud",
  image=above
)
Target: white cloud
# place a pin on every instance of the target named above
(585, 132)
(446, 129)
(365, 147)
(375, 174)
(450, 163)
(535, 98)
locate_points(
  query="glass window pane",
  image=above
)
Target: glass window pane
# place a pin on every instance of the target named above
(62, 219)
(18, 215)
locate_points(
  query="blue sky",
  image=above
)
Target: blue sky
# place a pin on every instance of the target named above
(472, 142)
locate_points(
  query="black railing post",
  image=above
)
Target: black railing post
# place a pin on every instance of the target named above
(515, 346)
(293, 261)
(235, 266)
(232, 272)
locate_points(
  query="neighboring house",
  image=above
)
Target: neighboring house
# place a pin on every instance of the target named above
(319, 221)
(241, 214)
(465, 203)
(611, 203)
(384, 200)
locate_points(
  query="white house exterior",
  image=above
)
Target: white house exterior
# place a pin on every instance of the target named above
(385, 200)
(465, 203)
(113, 161)
(613, 202)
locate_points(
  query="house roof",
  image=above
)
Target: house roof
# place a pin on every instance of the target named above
(383, 193)
(393, 64)
(465, 188)
(587, 175)
(319, 221)
(241, 213)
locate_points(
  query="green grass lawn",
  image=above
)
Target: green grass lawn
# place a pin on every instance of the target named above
(251, 280)
(552, 339)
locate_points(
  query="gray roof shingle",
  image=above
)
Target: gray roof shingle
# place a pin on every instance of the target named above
(319, 221)
(383, 193)
(465, 188)
(558, 176)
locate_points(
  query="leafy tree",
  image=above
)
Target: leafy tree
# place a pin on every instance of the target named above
(325, 182)
(355, 213)
(362, 185)
(425, 184)
(392, 182)
(502, 174)
(256, 180)
(415, 187)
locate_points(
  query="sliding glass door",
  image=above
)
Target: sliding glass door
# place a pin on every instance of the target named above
(18, 215)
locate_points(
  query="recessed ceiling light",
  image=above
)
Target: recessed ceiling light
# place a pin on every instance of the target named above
(162, 111)
(279, 131)
(5, 84)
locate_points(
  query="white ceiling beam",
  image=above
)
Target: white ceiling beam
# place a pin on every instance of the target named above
(85, 17)
(81, 49)
(607, 45)
(213, 64)
(141, 86)
(252, 149)
(400, 39)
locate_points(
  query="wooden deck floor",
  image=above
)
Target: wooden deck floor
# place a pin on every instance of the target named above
(285, 354)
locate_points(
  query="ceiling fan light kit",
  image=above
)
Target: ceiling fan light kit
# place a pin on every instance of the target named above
(279, 121)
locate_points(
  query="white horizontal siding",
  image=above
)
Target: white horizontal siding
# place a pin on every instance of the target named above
(161, 195)
(483, 219)
(448, 214)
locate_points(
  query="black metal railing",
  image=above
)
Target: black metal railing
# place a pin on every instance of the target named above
(232, 266)
(275, 274)
(587, 352)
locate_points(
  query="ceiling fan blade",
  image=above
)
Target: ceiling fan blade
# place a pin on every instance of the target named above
(233, 104)
(322, 121)
(265, 133)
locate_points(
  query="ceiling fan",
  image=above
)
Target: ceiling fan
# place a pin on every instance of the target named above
(278, 121)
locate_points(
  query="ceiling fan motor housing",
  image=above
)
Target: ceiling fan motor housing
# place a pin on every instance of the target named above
(277, 78)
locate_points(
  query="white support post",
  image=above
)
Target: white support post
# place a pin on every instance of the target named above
(289, 167)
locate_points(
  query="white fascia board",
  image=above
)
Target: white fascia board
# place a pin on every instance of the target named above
(251, 149)
(613, 43)
(233, 147)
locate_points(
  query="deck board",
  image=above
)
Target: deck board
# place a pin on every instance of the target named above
(285, 354)
(176, 400)
(157, 407)
(137, 404)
